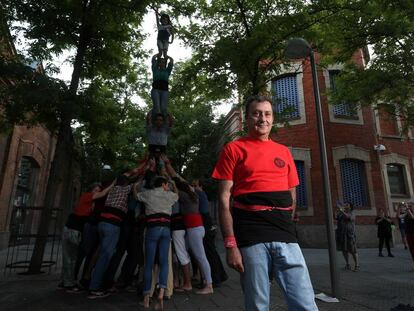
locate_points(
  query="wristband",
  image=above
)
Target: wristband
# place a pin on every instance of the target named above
(230, 242)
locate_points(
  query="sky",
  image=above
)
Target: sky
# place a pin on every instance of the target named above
(176, 50)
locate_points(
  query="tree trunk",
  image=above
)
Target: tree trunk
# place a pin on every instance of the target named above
(59, 172)
(60, 168)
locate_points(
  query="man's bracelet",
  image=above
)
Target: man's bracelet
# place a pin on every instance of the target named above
(230, 242)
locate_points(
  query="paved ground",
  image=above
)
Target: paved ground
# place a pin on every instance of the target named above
(382, 284)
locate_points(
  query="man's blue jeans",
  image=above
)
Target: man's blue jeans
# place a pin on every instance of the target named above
(285, 263)
(156, 236)
(160, 102)
(108, 238)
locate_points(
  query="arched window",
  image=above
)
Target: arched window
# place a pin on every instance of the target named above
(397, 180)
(354, 182)
(26, 180)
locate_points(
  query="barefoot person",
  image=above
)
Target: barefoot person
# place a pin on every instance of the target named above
(259, 235)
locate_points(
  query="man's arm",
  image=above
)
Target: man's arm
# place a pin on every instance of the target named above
(157, 18)
(170, 64)
(148, 119)
(172, 34)
(104, 192)
(234, 258)
(170, 121)
(293, 195)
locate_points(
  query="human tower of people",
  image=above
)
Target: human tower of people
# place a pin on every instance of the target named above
(139, 214)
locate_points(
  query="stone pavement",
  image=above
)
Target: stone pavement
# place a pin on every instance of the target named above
(381, 284)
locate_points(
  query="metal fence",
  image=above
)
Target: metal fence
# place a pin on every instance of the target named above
(24, 226)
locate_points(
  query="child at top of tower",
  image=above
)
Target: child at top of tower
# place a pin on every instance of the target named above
(165, 30)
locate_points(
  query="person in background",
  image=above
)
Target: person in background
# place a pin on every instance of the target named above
(72, 233)
(409, 229)
(158, 207)
(157, 135)
(218, 273)
(401, 213)
(111, 218)
(165, 31)
(346, 236)
(193, 222)
(159, 93)
(384, 232)
(178, 236)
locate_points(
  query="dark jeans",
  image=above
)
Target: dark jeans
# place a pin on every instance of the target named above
(108, 239)
(387, 244)
(218, 273)
(135, 254)
(88, 246)
(121, 247)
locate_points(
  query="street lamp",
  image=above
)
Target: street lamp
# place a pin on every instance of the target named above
(299, 48)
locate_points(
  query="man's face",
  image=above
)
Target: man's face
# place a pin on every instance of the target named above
(162, 63)
(260, 119)
(159, 121)
(164, 20)
(96, 189)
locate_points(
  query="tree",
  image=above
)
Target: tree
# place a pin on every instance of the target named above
(104, 36)
(238, 44)
(387, 27)
(191, 104)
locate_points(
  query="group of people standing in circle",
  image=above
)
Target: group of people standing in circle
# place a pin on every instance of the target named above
(346, 240)
(140, 213)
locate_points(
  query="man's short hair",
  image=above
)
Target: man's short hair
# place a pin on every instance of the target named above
(159, 115)
(93, 186)
(255, 99)
(159, 181)
(122, 180)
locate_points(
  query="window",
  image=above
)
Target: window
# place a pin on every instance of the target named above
(396, 179)
(388, 120)
(286, 99)
(354, 182)
(344, 109)
(26, 181)
(301, 198)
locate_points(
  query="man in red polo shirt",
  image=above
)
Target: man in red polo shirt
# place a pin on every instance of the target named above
(259, 235)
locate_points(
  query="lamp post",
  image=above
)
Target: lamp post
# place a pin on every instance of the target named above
(299, 48)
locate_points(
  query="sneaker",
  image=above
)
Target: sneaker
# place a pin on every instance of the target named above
(130, 289)
(74, 289)
(84, 283)
(380, 255)
(390, 255)
(112, 290)
(94, 294)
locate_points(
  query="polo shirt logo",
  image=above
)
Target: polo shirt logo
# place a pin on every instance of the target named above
(279, 162)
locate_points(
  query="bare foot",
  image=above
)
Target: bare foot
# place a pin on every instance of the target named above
(159, 305)
(146, 302)
(208, 289)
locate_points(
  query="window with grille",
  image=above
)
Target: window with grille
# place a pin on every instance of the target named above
(343, 109)
(285, 98)
(301, 197)
(397, 180)
(354, 182)
(25, 172)
(26, 181)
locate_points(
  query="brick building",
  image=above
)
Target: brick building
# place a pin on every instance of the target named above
(370, 179)
(25, 158)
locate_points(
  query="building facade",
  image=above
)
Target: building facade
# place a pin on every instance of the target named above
(25, 158)
(370, 160)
